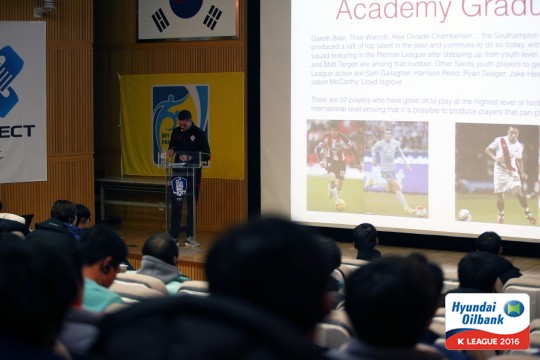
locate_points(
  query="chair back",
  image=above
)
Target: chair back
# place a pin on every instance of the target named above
(528, 285)
(131, 292)
(146, 280)
(193, 287)
(334, 331)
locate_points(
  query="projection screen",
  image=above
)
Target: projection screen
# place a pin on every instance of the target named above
(419, 116)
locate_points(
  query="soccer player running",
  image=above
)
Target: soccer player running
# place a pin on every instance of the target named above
(386, 150)
(506, 152)
(332, 148)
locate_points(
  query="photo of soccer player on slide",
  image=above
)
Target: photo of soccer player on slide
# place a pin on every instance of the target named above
(497, 172)
(332, 157)
(396, 168)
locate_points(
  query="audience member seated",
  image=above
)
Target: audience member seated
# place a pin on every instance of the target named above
(437, 275)
(60, 224)
(490, 242)
(12, 223)
(365, 238)
(199, 327)
(83, 221)
(102, 251)
(9, 216)
(160, 260)
(477, 273)
(390, 306)
(333, 255)
(83, 216)
(430, 336)
(267, 292)
(275, 264)
(80, 325)
(36, 291)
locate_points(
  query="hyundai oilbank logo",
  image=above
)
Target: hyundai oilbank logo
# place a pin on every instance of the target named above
(10, 66)
(514, 308)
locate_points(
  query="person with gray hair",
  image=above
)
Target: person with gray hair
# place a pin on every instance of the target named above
(160, 260)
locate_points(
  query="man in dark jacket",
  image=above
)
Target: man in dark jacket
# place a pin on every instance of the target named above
(490, 242)
(61, 224)
(365, 238)
(186, 139)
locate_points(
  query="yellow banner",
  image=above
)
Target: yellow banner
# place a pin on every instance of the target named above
(149, 109)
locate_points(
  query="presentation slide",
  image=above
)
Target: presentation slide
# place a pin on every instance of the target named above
(416, 116)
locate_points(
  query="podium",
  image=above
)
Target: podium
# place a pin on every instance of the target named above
(182, 177)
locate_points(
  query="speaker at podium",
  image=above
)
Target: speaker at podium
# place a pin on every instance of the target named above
(182, 181)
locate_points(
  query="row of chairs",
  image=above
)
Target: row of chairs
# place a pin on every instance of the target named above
(335, 330)
(134, 288)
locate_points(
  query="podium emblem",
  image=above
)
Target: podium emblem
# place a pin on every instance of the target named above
(179, 186)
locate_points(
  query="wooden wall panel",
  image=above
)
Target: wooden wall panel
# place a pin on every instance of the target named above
(222, 201)
(70, 144)
(72, 180)
(70, 113)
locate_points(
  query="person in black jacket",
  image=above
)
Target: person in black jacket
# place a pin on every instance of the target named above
(490, 242)
(61, 224)
(365, 238)
(37, 286)
(187, 137)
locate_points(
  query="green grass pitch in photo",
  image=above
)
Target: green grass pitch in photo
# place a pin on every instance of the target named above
(357, 200)
(483, 207)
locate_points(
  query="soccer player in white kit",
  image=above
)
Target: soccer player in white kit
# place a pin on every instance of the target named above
(387, 149)
(506, 152)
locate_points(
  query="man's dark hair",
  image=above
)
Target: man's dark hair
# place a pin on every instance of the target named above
(64, 210)
(100, 241)
(477, 270)
(161, 246)
(488, 241)
(437, 274)
(365, 237)
(184, 115)
(274, 263)
(82, 213)
(332, 252)
(37, 287)
(389, 302)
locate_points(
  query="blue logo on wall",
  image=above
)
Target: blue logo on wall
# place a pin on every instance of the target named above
(11, 65)
(514, 308)
(167, 102)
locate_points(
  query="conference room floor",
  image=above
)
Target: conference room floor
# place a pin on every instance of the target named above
(135, 235)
